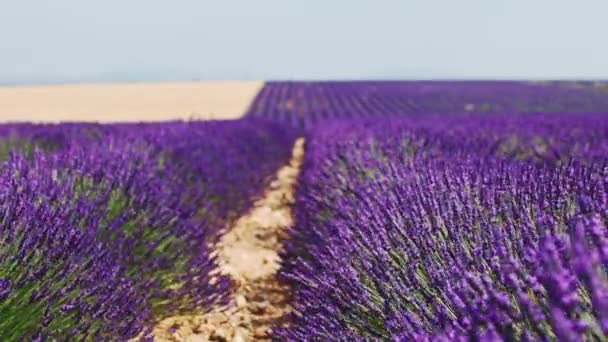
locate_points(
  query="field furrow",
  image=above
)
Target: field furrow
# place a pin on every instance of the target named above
(249, 253)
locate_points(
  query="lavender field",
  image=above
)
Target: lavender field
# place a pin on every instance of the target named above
(447, 211)
(106, 229)
(484, 228)
(304, 103)
(423, 211)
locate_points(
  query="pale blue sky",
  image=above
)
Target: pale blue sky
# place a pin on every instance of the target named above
(137, 40)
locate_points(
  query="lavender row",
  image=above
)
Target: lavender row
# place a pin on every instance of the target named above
(439, 229)
(106, 229)
(302, 104)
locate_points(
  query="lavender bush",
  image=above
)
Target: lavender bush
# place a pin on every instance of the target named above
(452, 228)
(107, 228)
(57, 280)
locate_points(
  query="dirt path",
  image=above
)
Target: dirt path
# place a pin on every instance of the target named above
(249, 254)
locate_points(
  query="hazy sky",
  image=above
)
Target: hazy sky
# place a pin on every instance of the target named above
(129, 40)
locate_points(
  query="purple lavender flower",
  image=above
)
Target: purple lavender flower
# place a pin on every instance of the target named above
(451, 228)
(105, 229)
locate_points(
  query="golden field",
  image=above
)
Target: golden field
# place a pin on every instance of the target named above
(128, 102)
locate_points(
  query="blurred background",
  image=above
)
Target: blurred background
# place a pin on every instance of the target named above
(67, 41)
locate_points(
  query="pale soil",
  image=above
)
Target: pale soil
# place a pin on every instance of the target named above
(127, 102)
(248, 252)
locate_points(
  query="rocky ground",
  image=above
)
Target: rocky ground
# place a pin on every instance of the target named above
(248, 252)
